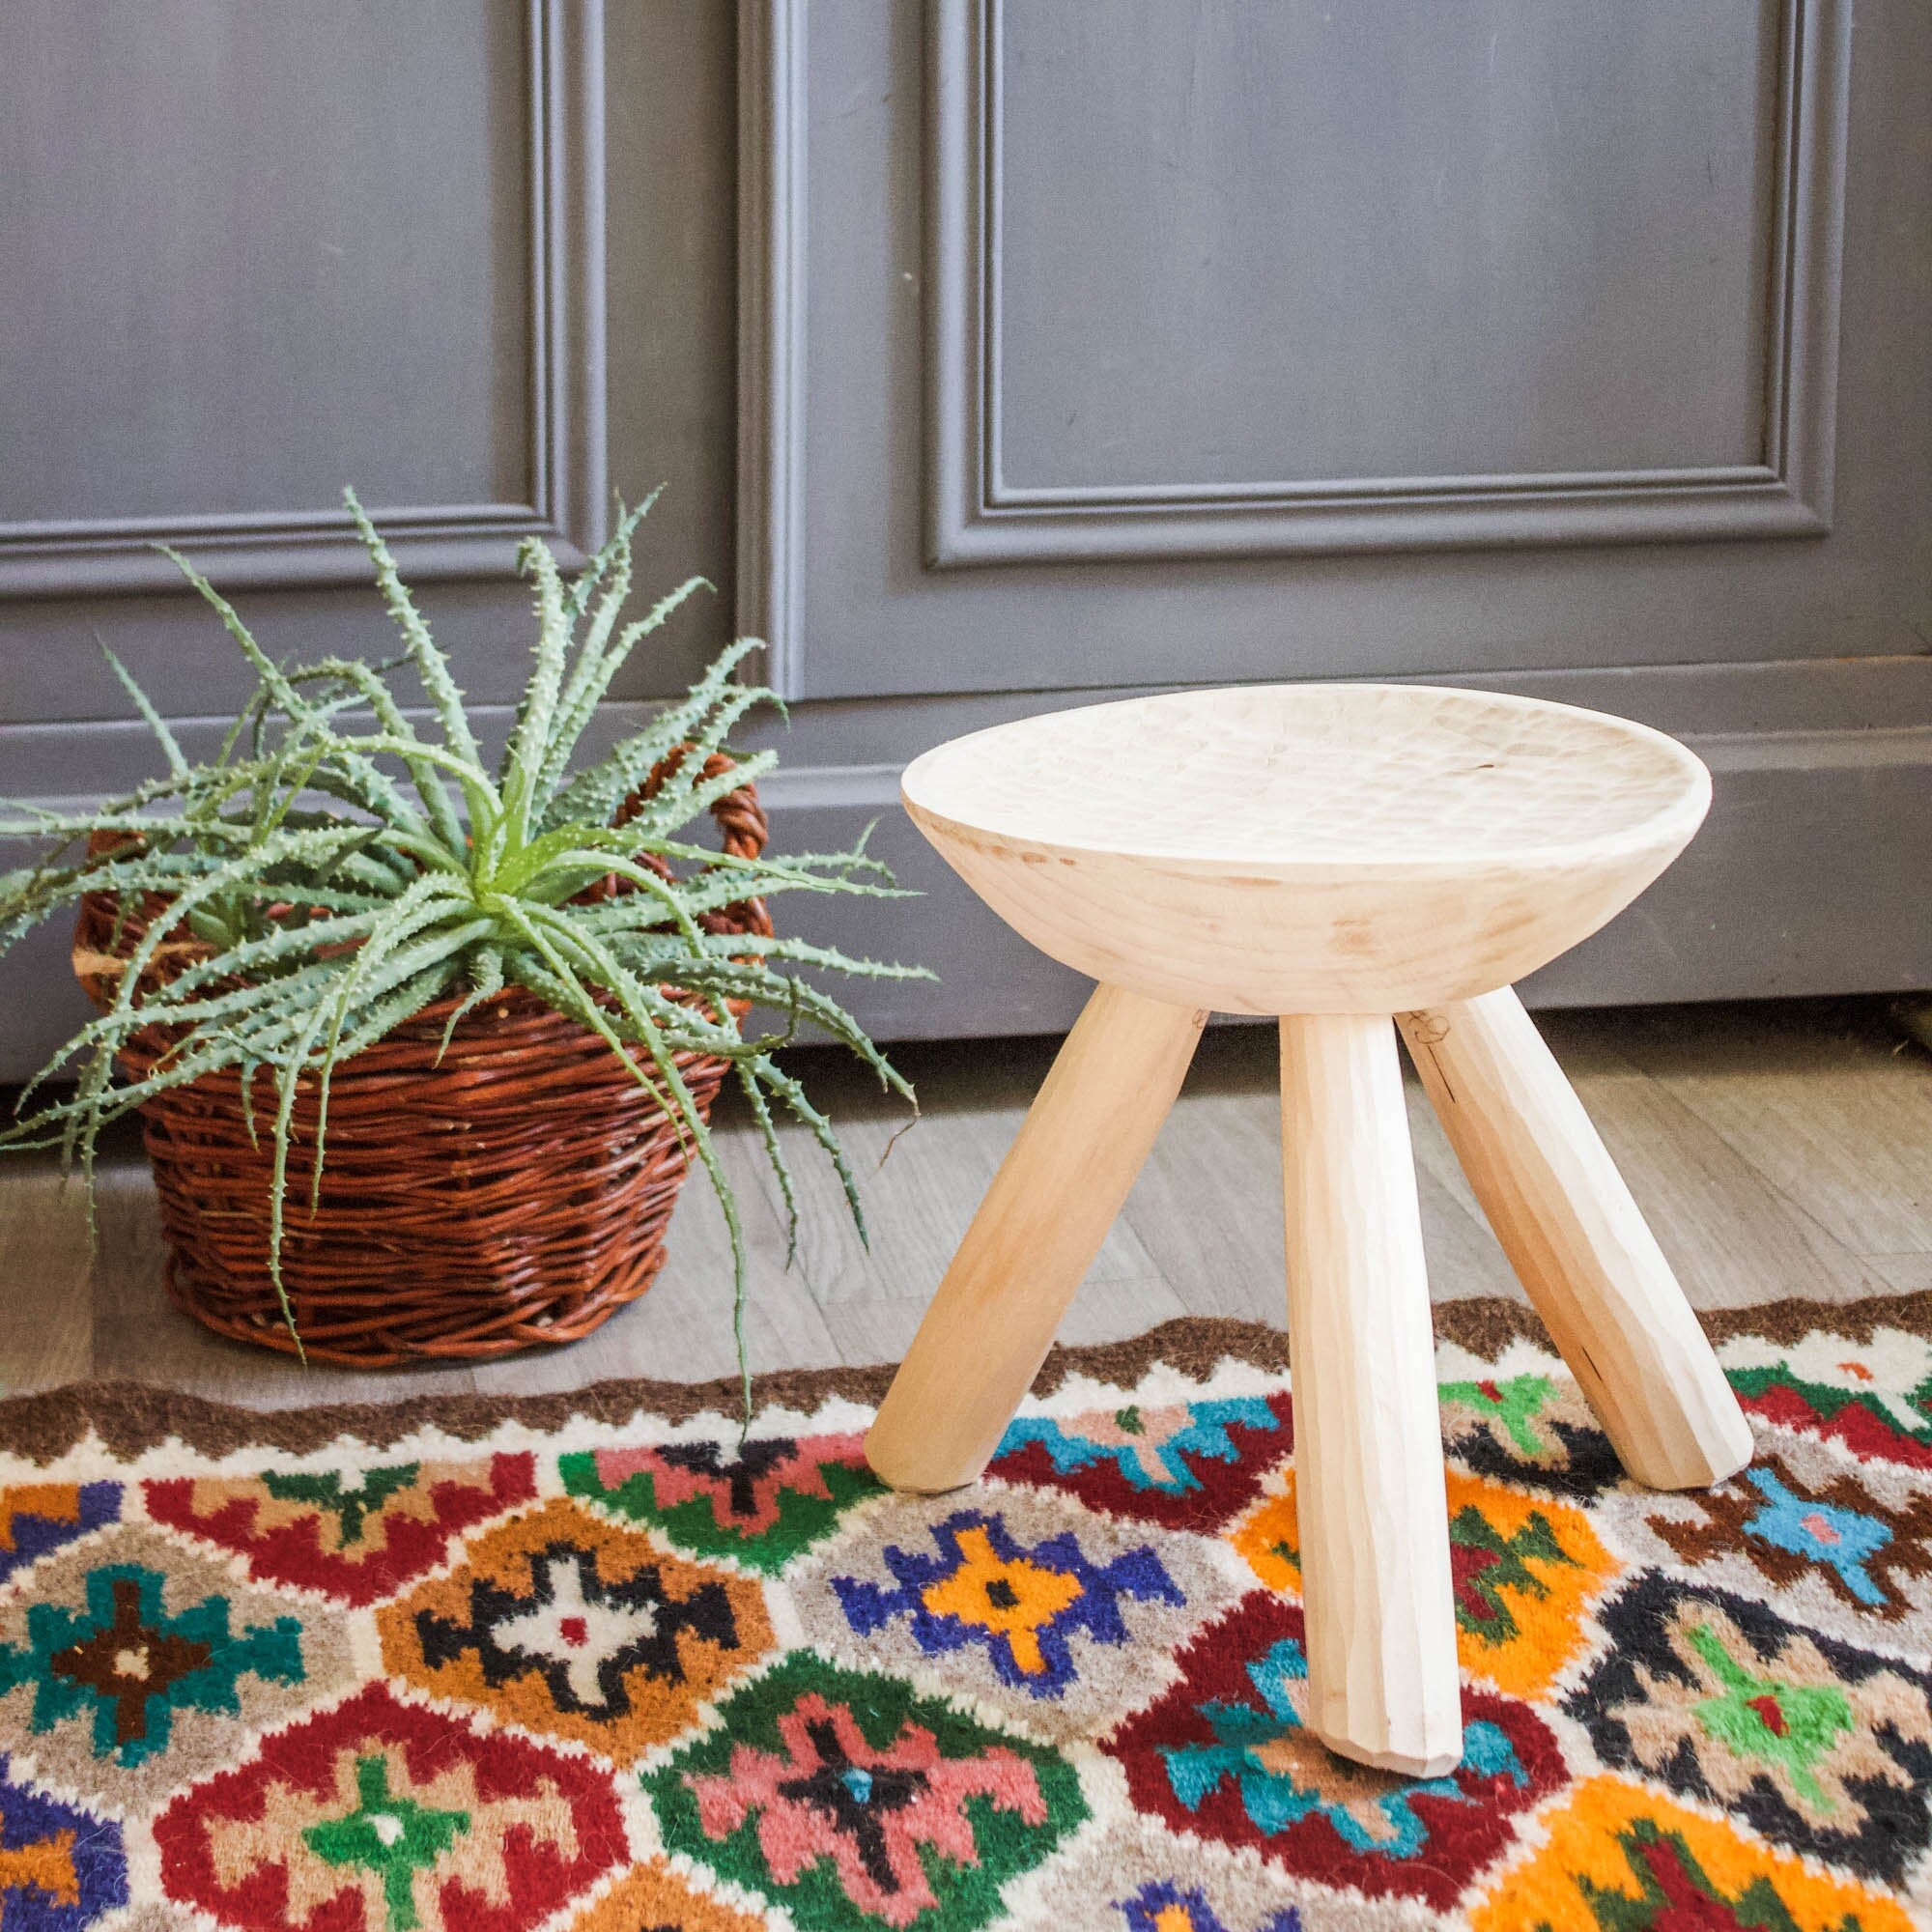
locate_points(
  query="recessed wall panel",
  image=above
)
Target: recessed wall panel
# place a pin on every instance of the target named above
(255, 251)
(1261, 241)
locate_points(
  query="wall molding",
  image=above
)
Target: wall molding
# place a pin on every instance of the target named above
(1877, 709)
(771, 332)
(566, 425)
(1808, 756)
(971, 517)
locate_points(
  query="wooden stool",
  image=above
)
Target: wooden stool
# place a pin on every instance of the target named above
(1333, 855)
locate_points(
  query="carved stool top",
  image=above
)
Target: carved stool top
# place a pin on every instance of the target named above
(1310, 848)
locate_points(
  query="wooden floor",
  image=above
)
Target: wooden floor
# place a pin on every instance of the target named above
(1779, 1150)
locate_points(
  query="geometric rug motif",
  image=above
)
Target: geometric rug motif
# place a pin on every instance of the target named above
(1223, 1755)
(1874, 1400)
(1525, 1571)
(1138, 1876)
(1532, 1430)
(1617, 1855)
(60, 1865)
(1049, 1612)
(654, 1897)
(355, 1534)
(848, 1798)
(135, 1665)
(595, 1663)
(1815, 1745)
(566, 1625)
(1833, 1544)
(762, 1501)
(1837, 1531)
(36, 1518)
(383, 1817)
(1184, 1465)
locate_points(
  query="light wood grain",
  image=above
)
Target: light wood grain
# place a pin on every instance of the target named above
(1587, 1255)
(1038, 1230)
(1727, 1230)
(46, 1302)
(1309, 848)
(1835, 1110)
(1369, 1501)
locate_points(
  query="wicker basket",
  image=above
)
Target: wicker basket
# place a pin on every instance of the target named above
(517, 1193)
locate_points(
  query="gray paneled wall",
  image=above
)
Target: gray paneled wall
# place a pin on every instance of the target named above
(1387, 242)
(233, 198)
(252, 253)
(1622, 302)
(256, 260)
(1016, 351)
(1261, 279)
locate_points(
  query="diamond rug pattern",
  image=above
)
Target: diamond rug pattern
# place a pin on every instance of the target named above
(594, 1664)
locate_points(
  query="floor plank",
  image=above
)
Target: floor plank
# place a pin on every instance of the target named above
(46, 1307)
(1779, 1150)
(1730, 1231)
(880, 1329)
(921, 1180)
(1909, 1274)
(1825, 1100)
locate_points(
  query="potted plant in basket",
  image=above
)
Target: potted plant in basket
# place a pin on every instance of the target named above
(424, 1048)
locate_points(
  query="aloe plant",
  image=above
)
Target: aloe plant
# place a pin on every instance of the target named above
(338, 870)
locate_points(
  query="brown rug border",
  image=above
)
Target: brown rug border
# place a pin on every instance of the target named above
(129, 1418)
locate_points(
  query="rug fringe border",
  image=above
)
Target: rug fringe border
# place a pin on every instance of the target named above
(129, 1418)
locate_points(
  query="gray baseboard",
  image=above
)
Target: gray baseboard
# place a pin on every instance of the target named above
(1808, 877)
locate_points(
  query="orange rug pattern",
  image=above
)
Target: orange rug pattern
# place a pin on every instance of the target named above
(593, 1664)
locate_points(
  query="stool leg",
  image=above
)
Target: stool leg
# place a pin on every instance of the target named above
(1039, 1227)
(1584, 1253)
(1370, 1504)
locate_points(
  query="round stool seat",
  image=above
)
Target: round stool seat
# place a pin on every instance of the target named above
(1310, 848)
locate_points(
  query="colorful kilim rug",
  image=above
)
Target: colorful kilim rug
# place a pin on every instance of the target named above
(587, 1664)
